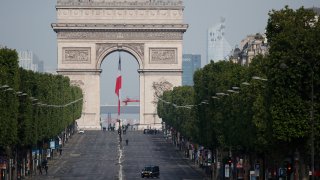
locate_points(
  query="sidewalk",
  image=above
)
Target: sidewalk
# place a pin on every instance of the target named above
(53, 164)
(195, 167)
(190, 162)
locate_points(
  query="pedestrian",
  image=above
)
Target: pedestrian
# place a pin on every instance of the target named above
(45, 165)
(60, 151)
(127, 142)
(40, 169)
(46, 168)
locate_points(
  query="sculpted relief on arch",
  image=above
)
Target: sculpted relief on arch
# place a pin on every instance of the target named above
(76, 55)
(138, 48)
(159, 87)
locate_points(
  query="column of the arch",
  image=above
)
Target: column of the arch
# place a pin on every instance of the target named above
(142, 101)
(172, 77)
(89, 81)
(159, 70)
(91, 109)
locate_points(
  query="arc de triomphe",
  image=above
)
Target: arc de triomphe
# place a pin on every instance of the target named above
(150, 30)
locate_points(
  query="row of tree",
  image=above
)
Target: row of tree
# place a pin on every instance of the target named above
(264, 109)
(34, 107)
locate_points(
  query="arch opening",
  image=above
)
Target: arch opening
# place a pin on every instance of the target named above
(136, 50)
(129, 113)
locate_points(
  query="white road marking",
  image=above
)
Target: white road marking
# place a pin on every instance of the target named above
(120, 161)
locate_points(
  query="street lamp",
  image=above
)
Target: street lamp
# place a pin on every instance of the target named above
(221, 94)
(204, 102)
(4, 86)
(9, 89)
(259, 78)
(215, 97)
(232, 91)
(246, 83)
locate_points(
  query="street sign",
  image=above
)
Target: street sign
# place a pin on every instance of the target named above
(257, 169)
(227, 171)
(48, 153)
(52, 145)
(282, 172)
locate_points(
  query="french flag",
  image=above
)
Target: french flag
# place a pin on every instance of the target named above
(119, 84)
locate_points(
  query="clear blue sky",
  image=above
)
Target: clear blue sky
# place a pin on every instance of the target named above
(26, 25)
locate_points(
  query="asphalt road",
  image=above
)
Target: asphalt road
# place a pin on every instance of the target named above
(98, 155)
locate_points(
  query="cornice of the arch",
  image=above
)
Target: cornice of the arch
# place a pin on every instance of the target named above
(103, 49)
(100, 27)
(119, 32)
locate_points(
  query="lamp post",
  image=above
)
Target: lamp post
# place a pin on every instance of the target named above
(119, 130)
(35, 156)
(259, 78)
(19, 150)
(284, 66)
(312, 122)
(312, 118)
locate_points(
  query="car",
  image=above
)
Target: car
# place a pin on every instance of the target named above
(150, 171)
(150, 131)
(81, 131)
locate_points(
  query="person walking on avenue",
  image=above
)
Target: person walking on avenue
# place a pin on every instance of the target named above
(45, 165)
(60, 151)
(46, 168)
(40, 169)
(127, 142)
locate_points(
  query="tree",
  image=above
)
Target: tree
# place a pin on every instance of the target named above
(294, 64)
(293, 56)
(9, 104)
(175, 110)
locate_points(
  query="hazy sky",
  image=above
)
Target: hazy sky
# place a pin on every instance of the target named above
(26, 25)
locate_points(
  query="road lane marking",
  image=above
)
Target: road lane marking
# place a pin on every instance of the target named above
(74, 155)
(120, 161)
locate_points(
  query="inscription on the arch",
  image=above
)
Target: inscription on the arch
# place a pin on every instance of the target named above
(76, 55)
(163, 56)
(121, 35)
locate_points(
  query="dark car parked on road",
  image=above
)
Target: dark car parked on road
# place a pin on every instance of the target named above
(150, 131)
(150, 171)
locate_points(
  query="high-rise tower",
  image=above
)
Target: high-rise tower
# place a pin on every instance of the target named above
(218, 47)
(190, 63)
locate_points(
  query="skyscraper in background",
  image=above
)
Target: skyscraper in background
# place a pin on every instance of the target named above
(218, 47)
(29, 61)
(190, 63)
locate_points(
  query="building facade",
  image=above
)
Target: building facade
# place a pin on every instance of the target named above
(255, 44)
(218, 48)
(190, 63)
(250, 47)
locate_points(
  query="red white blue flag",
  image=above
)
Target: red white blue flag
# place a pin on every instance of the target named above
(119, 84)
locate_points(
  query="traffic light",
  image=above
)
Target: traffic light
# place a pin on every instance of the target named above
(289, 168)
(229, 161)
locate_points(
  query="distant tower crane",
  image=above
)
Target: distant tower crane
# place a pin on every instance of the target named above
(127, 100)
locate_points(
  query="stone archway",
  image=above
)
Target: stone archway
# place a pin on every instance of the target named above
(135, 49)
(150, 30)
